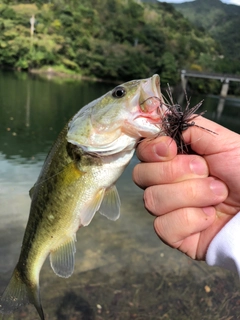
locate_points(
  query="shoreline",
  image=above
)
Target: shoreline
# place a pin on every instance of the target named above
(50, 72)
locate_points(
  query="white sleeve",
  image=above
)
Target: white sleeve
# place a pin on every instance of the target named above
(224, 249)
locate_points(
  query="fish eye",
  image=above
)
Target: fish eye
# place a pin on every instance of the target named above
(119, 92)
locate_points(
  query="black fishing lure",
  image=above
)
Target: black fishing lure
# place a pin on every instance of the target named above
(176, 120)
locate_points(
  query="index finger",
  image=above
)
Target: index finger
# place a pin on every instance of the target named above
(182, 167)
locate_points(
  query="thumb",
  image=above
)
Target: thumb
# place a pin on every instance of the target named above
(162, 148)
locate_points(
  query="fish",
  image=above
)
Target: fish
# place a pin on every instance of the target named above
(78, 179)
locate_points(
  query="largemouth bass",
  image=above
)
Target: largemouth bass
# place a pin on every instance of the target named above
(77, 180)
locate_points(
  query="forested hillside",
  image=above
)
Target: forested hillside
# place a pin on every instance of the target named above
(107, 39)
(222, 22)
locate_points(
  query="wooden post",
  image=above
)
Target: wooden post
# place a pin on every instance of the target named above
(220, 107)
(32, 22)
(184, 87)
(184, 80)
(224, 90)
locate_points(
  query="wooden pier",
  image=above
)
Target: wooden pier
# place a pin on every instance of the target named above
(224, 78)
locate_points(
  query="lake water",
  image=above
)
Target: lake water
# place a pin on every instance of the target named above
(123, 271)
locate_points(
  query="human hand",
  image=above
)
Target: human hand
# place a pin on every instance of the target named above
(193, 196)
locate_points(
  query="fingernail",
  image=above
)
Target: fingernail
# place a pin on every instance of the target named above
(161, 149)
(209, 211)
(218, 187)
(198, 166)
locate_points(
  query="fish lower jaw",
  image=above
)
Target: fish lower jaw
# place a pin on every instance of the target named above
(121, 144)
(145, 127)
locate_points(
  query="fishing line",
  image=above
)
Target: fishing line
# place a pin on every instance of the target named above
(54, 175)
(149, 99)
(92, 154)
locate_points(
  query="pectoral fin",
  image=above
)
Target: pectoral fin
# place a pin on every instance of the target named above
(62, 259)
(107, 202)
(110, 206)
(87, 215)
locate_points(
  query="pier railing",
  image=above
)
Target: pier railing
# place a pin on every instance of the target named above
(224, 78)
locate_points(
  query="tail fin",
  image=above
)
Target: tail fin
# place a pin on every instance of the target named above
(18, 294)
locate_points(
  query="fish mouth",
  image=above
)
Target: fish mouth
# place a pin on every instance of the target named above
(151, 102)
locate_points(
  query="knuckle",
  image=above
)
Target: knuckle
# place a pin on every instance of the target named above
(170, 172)
(139, 175)
(185, 217)
(165, 172)
(149, 201)
(159, 228)
(192, 191)
(143, 150)
(163, 228)
(135, 174)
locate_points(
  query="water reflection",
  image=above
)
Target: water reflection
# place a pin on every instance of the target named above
(33, 111)
(28, 106)
(122, 269)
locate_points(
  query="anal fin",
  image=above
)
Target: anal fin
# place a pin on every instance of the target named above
(62, 259)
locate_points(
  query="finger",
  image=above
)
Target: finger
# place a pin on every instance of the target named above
(182, 167)
(162, 148)
(204, 142)
(184, 229)
(202, 192)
